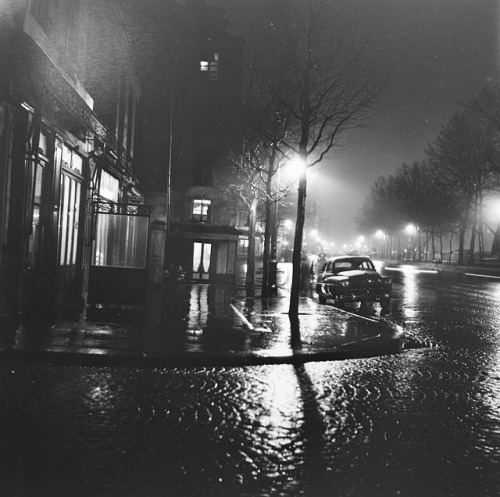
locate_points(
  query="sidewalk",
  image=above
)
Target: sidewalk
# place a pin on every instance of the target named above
(206, 325)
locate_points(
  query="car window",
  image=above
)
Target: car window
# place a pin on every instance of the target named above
(367, 265)
(343, 266)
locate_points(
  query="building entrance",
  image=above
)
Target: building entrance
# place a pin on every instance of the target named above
(201, 260)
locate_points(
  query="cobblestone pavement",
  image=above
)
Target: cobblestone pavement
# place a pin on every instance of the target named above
(424, 423)
(421, 423)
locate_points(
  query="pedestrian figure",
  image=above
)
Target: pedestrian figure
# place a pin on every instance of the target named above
(318, 265)
(305, 274)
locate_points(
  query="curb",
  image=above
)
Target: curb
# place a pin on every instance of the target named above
(382, 344)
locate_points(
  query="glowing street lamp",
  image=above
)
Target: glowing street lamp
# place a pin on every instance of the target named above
(295, 168)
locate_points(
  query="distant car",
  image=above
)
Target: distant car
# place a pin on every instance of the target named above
(353, 279)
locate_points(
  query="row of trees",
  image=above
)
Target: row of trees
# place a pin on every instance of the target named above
(305, 83)
(445, 194)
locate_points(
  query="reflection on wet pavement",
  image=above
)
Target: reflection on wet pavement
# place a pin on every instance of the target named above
(212, 319)
(421, 423)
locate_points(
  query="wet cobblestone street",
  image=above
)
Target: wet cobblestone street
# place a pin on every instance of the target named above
(425, 422)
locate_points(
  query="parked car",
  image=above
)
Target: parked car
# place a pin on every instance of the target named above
(353, 279)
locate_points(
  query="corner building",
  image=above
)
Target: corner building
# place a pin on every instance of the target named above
(202, 103)
(67, 118)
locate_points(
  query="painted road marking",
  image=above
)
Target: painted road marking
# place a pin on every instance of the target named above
(483, 275)
(246, 322)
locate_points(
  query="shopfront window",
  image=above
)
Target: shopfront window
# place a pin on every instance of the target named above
(121, 240)
(71, 187)
(225, 258)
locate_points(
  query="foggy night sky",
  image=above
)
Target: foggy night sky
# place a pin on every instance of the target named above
(436, 53)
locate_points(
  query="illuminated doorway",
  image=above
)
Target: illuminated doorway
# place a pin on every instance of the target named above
(201, 260)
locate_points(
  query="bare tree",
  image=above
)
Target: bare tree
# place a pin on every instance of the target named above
(381, 209)
(244, 180)
(269, 123)
(252, 179)
(485, 103)
(321, 80)
(464, 160)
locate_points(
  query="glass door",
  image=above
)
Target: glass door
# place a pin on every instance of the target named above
(201, 260)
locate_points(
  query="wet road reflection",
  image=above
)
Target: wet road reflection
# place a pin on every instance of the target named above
(421, 423)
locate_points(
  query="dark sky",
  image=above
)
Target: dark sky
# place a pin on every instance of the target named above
(436, 53)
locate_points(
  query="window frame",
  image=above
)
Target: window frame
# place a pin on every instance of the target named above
(202, 216)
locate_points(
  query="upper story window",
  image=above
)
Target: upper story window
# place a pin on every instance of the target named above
(201, 210)
(109, 187)
(71, 160)
(211, 66)
(241, 218)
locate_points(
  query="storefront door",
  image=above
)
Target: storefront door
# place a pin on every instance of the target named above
(201, 260)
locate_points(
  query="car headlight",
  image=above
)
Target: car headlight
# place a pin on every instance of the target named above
(344, 283)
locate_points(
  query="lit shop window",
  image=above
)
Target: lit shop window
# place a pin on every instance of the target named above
(201, 210)
(211, 66)
(68, 223)
(69, 208)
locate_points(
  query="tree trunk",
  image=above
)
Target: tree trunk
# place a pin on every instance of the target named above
(480, 235)
(297, 246)
(473, 235)
(272, 285)
(461, 239)
(451, 244)
(250, 279)
(269, 211)
(267, 242)
(495, 246)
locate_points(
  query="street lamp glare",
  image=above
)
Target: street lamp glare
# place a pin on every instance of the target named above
(295, 168)
(410, 229)
(496, 208)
